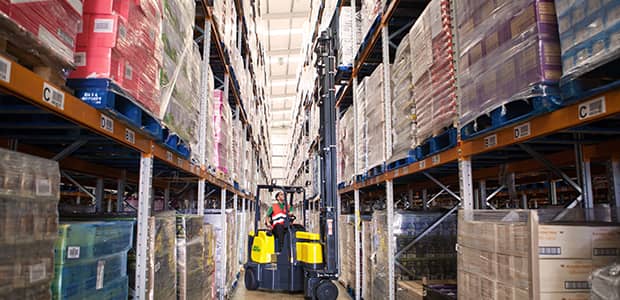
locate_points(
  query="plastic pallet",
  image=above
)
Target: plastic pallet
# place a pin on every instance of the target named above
(374, 27)
(402, 162)
(599, 80)
(236, 185)
(103, 94)
(342, 185)
(375, 171)
(343, 73)
(512, 112)
(435, 144)
(360, 178)
(176, 144)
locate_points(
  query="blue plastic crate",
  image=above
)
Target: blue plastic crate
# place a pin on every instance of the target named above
(104, 94)
(87, 240)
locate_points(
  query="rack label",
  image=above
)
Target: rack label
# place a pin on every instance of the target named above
(522, 131)
(73, 252)
(490, 141)
(169, 155)
(130, 136)
(180, 162)
(5, 69)
(37, 272)
(592, 108)
(53, 96)
(422, 164)
(107, 123)
(436, 159)
(100, 270)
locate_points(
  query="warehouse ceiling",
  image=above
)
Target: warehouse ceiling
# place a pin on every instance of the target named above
(284, 23)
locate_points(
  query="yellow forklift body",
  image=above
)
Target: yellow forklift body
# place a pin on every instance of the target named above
(262, 248)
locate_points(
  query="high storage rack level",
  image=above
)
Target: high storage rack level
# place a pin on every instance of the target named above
(552, 146)
(121, 159)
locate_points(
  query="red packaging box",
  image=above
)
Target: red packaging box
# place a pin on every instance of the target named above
(98, 63)
(120, 7)
(101, 30)
(4, 6)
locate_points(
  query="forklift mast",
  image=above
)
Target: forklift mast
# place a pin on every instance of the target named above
(326, 100)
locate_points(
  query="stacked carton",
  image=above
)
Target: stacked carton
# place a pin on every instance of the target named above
(209, 261)
(29, 193)
(222, 133)
(120, 41)
(513, 255)
(588, 34)
(347, 48)
(346, 145)
(375, 118)
(361, 127)
(191, 257)
(371, 10)
(90, 260)
(367, 276)
(508, 51)
(379, 248)
(433, 76)
(52, 23)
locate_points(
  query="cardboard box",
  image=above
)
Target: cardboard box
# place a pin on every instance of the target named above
(558, 241)
(409, 290)
(564, 296)
(565, 275)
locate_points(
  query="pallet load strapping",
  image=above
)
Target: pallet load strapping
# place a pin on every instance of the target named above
(29, 194)
(533, 254)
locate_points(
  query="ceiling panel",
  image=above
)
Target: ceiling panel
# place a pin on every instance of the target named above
(280, 6)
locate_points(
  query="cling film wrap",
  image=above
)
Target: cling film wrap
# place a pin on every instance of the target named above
(434, 75)
(29, 193)
(46, 29)
(379, 254)
(371, 9)
(403, 105)
(589, 34)
(347, 48)
(236, 148)
(606, 282)
(223, 228)
(361, 127)
(162, 257)
(209, 261)
(86, 240)
(181, 72)
(191, 257)
(508, 51)
(346, 146)
(222, 133)
(367, 276)
(375, 118)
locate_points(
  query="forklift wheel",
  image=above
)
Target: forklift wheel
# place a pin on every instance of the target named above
(250, 279)
(326, 290)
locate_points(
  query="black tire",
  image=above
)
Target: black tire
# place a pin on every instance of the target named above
(326, 290)
(250, 278)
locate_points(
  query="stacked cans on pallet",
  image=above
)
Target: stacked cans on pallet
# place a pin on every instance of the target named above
(433, 74)
(54, 23)
(120, 40)
(29, 193)
(509, 51)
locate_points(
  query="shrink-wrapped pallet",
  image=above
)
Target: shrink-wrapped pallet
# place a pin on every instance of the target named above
(191, 257)
(361, 127)
(403, 104)
(433, 70)
(509, 50)
(29, 193)
(375, 119)
(347, 48)
(162, 257)
(371, 10)
(222, 133)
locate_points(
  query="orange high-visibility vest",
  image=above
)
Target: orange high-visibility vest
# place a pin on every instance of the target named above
(278, 216)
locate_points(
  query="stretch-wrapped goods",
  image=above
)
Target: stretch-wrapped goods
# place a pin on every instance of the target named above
(589, 34)
(29, 193)
(120, 40)
(191, 257)
(54, 24)
(91, 260)
(403, 105)
(181, 73)
(433, 71)
(347, 47)
(509, 50)
(346, 145)
(162, 257)
(222, 133)
(371, 10)
(361, 127)
(375, 118)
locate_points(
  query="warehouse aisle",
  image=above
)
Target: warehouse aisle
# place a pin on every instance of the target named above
(242, 294)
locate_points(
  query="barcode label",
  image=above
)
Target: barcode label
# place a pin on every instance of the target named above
(53, 96)
(104, 25)
(422, 164)
(128, 72)
(168, 155)
(592, 108)
(576, 285)
(37, 272)
(5, 69)
(549, 250)
(100, 270)
(79, 59)
(522, 131)
(73, 252)
(606, 252)
(107, 123)
(436, 159)
(43, 187)
(490, 141)
(180, 161)
(130, 136)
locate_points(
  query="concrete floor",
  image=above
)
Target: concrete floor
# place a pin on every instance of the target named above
(241, 293)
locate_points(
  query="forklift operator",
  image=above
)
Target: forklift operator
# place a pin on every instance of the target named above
(276, 217)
